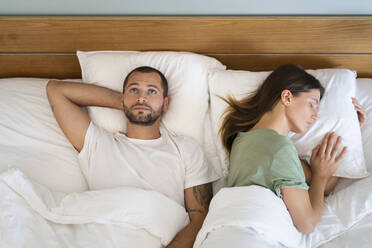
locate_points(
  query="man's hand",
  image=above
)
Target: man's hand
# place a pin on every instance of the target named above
(197, 201)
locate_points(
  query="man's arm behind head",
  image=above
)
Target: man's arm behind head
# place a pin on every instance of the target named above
(66, 98)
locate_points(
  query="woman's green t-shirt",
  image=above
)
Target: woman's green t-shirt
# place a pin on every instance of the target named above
(263, 157)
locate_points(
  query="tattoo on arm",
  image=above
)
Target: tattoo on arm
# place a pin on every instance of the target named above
(191, 210)
(203, 194)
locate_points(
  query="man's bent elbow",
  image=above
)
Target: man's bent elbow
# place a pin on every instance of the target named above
(50, 87)
(53, 90)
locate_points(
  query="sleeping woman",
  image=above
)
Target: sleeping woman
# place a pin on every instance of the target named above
(254, 134)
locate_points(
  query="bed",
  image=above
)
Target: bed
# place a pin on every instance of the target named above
(38, 163)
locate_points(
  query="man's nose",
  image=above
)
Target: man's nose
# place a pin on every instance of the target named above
(141, 98)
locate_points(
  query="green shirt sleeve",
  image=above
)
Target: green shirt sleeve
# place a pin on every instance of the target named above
(286, 170)
(265, 158)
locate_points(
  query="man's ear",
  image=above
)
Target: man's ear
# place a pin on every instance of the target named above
(166, 103)
(286, 97)
(122, 98)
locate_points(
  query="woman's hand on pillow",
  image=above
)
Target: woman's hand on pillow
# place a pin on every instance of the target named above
(324, 160)
(362, 116)
(331, 183)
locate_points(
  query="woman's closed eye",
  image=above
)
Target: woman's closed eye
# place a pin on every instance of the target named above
(314, 105)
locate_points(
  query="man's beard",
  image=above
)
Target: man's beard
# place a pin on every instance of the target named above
(143, 120)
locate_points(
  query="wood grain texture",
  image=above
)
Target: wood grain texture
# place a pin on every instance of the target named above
(67, 65)
(195, 34)
(360, 63)
(46, 46)
(39, 65)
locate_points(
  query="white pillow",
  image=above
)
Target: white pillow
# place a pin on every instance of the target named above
(364, 97)
(31, 140)
(336, 113)
(187, 75)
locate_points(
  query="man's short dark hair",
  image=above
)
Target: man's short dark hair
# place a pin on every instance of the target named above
(148, 69)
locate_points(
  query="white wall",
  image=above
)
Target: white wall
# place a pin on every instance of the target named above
(185, 7)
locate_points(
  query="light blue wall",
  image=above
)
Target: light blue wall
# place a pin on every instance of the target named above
(185, 7)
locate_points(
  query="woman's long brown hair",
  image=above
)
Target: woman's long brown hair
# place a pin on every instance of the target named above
(241, 116)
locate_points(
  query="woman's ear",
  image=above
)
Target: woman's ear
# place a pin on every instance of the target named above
(286, 97)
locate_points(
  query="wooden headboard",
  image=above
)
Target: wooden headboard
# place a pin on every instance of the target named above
(46, 46)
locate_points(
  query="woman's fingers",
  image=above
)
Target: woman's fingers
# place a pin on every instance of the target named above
(336, 147)
(362, 116)
(315, 152)
(323, 146)
(330, 142)
(359, 109)
(324, 156)
(341, 155)
(356, 104)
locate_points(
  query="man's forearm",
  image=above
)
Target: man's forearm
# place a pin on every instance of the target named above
(186, 237)
(197, 201)
(86, 94)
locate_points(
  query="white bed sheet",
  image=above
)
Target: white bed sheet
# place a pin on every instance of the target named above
(359, 236)
(33, 216)
(238, 238)
(347, 222)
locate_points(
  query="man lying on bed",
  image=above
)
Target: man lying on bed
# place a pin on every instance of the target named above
(146, 156)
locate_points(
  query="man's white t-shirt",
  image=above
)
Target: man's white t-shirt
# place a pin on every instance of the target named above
(167, 165)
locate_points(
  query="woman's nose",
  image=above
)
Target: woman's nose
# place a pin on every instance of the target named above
(315, 116)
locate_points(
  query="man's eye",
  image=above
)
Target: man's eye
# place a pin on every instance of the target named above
(152, 92)
(133, 90)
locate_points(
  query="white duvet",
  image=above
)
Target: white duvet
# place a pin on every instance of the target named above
(239, 212)
(33, 216)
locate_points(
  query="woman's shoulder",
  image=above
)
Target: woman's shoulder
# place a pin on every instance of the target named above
(264, 135)
(266, 140)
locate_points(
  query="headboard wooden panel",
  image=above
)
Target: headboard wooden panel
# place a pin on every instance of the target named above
(46, 46)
